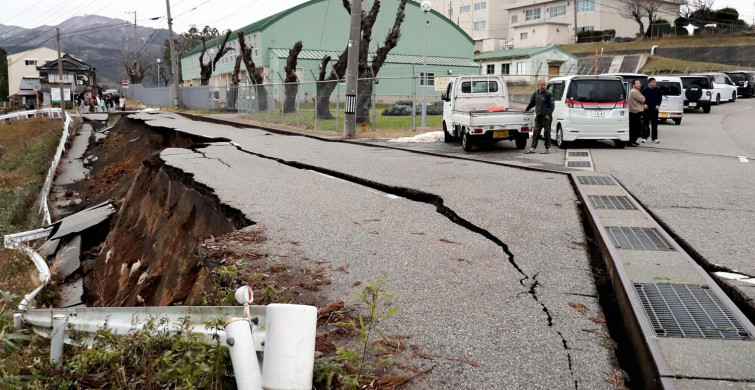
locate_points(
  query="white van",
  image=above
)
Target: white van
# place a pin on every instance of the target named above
(723, 88)
(672, 105)
(589, 108)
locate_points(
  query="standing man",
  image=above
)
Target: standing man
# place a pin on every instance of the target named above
(650, 116)
(636, 106)
(542, 100)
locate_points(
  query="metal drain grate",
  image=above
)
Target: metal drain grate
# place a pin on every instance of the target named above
(596, 180)
(638, 238)
(611, 202)
(689, 311)
(579, 154)
(578, 164)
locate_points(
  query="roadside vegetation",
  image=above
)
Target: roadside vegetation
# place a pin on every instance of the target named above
(659, 65)
(646, 44)
(26, 149)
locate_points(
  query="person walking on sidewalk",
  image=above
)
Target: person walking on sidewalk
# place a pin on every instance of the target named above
(650, 117)
(636, 106)
(542, 100)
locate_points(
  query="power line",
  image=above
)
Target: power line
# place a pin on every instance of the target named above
(19, 14)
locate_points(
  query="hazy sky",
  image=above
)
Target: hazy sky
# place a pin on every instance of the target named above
(222, 14)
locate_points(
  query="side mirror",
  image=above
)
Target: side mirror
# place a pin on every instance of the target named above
(444, 97)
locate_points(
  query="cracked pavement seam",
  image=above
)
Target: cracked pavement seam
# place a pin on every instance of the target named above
(441, 208)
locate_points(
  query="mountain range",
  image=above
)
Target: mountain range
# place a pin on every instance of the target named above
(97, 40)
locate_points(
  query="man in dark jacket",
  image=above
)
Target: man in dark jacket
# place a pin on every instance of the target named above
(542, 100)
(650, 116)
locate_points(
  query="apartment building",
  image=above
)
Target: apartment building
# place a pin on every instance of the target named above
(485, 21)
(549, 22)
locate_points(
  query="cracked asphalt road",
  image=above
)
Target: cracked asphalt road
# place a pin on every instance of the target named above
(461, 299)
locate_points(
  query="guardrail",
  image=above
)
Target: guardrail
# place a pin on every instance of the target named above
(43, 206)
(50, 112)
(17, 241)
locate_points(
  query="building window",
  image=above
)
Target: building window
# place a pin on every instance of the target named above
(31, 62)
(558, 11)
(465, 8)
(430, 80)
(479, 25)
(586, 28)
(521, 68)
(505, 69)
(491, 69)
(522, 36)
(532, 14)
(585, 6)
(479, 6)
(514, 19)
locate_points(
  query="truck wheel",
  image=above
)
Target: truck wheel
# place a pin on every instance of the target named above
(678, 121)
(521, 141)
(560, 138)
(706, 109)
(447, 138)
(466, 143)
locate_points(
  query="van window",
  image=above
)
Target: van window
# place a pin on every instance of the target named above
(669, 88)
(479, 86)
(702, 82)
(597, 91)
(557, 89)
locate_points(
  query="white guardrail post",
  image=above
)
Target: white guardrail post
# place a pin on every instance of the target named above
(289, 347)
(57, 338)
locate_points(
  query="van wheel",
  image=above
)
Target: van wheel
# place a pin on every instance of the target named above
(706, 109)
(619, 144)
(678, 121)
(718, 99)
(447, 138)
(466, 143)
(560, 138)
(733, 96)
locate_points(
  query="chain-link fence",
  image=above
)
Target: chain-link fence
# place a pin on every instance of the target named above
(383, 103)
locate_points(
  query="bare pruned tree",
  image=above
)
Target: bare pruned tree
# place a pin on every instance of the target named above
(367, 71)
(255, 74)
(291, 87)
(638, 10)
(136, 70)
(205, 70)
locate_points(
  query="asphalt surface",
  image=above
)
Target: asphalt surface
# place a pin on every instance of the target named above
(458, 292)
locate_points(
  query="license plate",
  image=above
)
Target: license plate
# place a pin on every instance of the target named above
(693, 104)
(597, 113)
(663, 115)
(501, 134)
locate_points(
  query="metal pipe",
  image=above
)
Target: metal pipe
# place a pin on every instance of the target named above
(57, 338)
(289, 347)
(424, 75)
(246, 367)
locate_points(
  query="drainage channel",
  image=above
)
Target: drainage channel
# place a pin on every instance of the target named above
(684, 330)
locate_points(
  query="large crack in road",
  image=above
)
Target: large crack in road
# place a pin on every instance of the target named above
(530, 283)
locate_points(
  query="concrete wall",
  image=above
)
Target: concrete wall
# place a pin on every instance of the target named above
(729, 55)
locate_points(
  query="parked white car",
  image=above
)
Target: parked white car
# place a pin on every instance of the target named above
(724, 89)
(589, 108)
(672, 105)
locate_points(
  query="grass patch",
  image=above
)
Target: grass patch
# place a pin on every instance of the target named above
(657, 64)
(26, 150)
(646, 44)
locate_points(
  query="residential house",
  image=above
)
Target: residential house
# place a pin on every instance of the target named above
(77, 74)
(24, 64)
(486, 21)
(528, 64)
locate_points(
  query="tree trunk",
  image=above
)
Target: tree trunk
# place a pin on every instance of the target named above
(291, 86)
(364, 98)
(324, 90)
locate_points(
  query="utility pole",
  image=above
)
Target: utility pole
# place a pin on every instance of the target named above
(60, 81)
(135, 45)
(576, 38)
(352, 71)
(173, 57)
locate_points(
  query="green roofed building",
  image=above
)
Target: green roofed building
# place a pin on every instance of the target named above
(323, 28)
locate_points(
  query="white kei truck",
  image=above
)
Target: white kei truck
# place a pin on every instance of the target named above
(476, 109)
